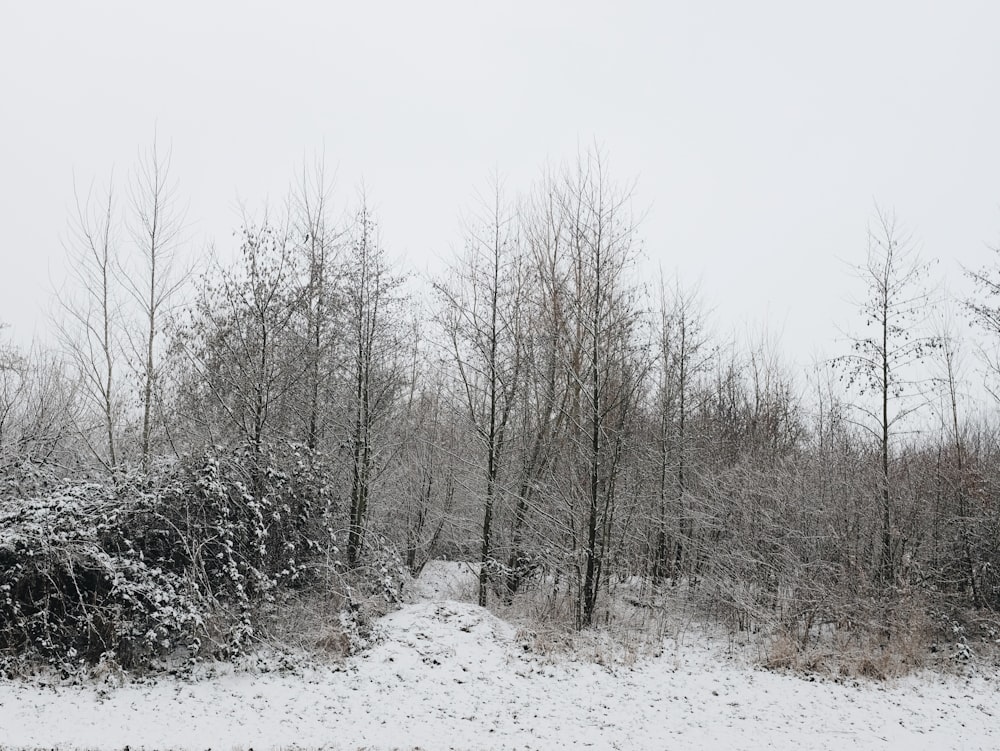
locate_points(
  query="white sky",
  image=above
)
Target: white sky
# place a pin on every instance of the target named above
(760, 133)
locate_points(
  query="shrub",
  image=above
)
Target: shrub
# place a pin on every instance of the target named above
(194, 550)
(73, 589)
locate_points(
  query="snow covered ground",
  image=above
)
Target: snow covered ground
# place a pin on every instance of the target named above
(447, 674)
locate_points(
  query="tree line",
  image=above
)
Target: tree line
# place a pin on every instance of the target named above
(540, 408)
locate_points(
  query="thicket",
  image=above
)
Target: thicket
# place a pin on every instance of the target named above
(291, 429)
(192, 559)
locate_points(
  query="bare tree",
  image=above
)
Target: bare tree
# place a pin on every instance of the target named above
(881, 364)
(39, 413)
(984, 308)
(542, 416)
(683, 356)
(244, 361)
(373, 374)
(949, 362)
(90, 329)
(319, 242)
(605, 362)
(429, 458)
(482, 322)
(156, 224)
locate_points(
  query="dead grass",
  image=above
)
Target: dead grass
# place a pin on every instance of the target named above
(630, 624)
(329, 620)
(871, 661)
(880, 641)
(600, 646)
(309, 621)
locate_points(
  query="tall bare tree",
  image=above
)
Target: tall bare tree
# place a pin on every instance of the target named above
(482, 320)
(881, 364)
(156, 224)
(605, 361)
(371, 298)
(683, 356)
(542, 416)
(950, 366)
(319, 241)
(90, 330)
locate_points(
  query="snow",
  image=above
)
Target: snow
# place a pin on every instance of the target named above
(445, 580)
(448, 674)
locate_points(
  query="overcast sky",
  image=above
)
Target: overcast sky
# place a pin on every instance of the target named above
(760, 134)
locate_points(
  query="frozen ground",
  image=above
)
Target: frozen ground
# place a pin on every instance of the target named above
(448, 674)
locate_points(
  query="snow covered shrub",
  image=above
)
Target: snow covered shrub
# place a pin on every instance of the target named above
(74, 589)
(192, 552)
(24, 478)
(384, 573)
(203, 554)
(239, 524)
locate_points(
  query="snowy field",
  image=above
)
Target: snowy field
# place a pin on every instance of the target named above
(447, 674)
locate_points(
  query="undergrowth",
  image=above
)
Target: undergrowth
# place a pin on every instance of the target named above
(208, 557)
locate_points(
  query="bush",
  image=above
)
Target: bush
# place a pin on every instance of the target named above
(194, 551)
(240, 524)
(74, 590)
